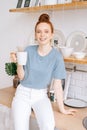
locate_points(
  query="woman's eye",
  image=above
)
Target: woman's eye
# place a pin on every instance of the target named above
(47, 31)
(38, 31)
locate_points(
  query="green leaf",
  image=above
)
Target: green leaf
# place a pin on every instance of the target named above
(11, 68)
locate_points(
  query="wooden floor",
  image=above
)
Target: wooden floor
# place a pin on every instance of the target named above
(63, 122)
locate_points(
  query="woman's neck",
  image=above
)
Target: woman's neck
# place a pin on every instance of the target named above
(44, 49)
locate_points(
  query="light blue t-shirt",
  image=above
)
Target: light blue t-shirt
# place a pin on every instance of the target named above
(40, 70)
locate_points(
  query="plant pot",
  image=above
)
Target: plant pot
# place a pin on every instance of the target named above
(16, 81)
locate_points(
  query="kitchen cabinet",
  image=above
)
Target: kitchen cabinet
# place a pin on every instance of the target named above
(67, 6)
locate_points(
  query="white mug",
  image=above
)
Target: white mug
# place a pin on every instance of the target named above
(22, 58)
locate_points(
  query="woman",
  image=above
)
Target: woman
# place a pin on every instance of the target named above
(44, 64)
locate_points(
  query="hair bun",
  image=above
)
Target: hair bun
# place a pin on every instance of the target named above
(44, 18)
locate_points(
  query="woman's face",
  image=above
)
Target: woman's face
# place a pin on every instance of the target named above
(43, 33)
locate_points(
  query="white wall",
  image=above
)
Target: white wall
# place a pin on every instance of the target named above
(15, 30)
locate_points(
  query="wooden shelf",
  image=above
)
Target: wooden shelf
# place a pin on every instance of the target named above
(74, 60)
(67, 6)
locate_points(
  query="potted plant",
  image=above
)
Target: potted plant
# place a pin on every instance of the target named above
(11, 70)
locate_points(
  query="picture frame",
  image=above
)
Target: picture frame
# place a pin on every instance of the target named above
(23, 2)
(27, 3)
(19, 3)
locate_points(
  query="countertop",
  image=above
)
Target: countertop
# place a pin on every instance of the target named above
(63, 122)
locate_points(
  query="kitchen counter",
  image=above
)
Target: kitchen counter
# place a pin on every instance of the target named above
(72, 59)
(63, 122)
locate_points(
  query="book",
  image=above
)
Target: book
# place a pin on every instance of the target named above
(37, 3)
(27, 3)
(19, 4)
(23, 2)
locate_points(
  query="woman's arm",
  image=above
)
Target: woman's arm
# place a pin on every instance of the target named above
(57, 85)
(20, 72)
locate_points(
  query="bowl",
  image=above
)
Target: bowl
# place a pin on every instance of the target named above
(66, 51)
(79, 55)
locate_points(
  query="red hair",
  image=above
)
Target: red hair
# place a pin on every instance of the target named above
(44, 18)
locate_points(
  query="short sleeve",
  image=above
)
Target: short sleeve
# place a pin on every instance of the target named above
(59, 71)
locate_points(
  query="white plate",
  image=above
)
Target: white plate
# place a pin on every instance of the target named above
(77, 40)
(75, 103)
(58, 38)
(84, 122)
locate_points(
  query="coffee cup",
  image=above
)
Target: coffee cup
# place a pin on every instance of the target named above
(21, 58)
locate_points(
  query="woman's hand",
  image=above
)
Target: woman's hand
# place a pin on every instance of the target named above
(13, 57)
(69, 111)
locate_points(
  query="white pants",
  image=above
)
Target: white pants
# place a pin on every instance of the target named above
(27, 98)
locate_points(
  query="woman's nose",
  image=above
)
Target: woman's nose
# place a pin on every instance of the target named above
(42, 33)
